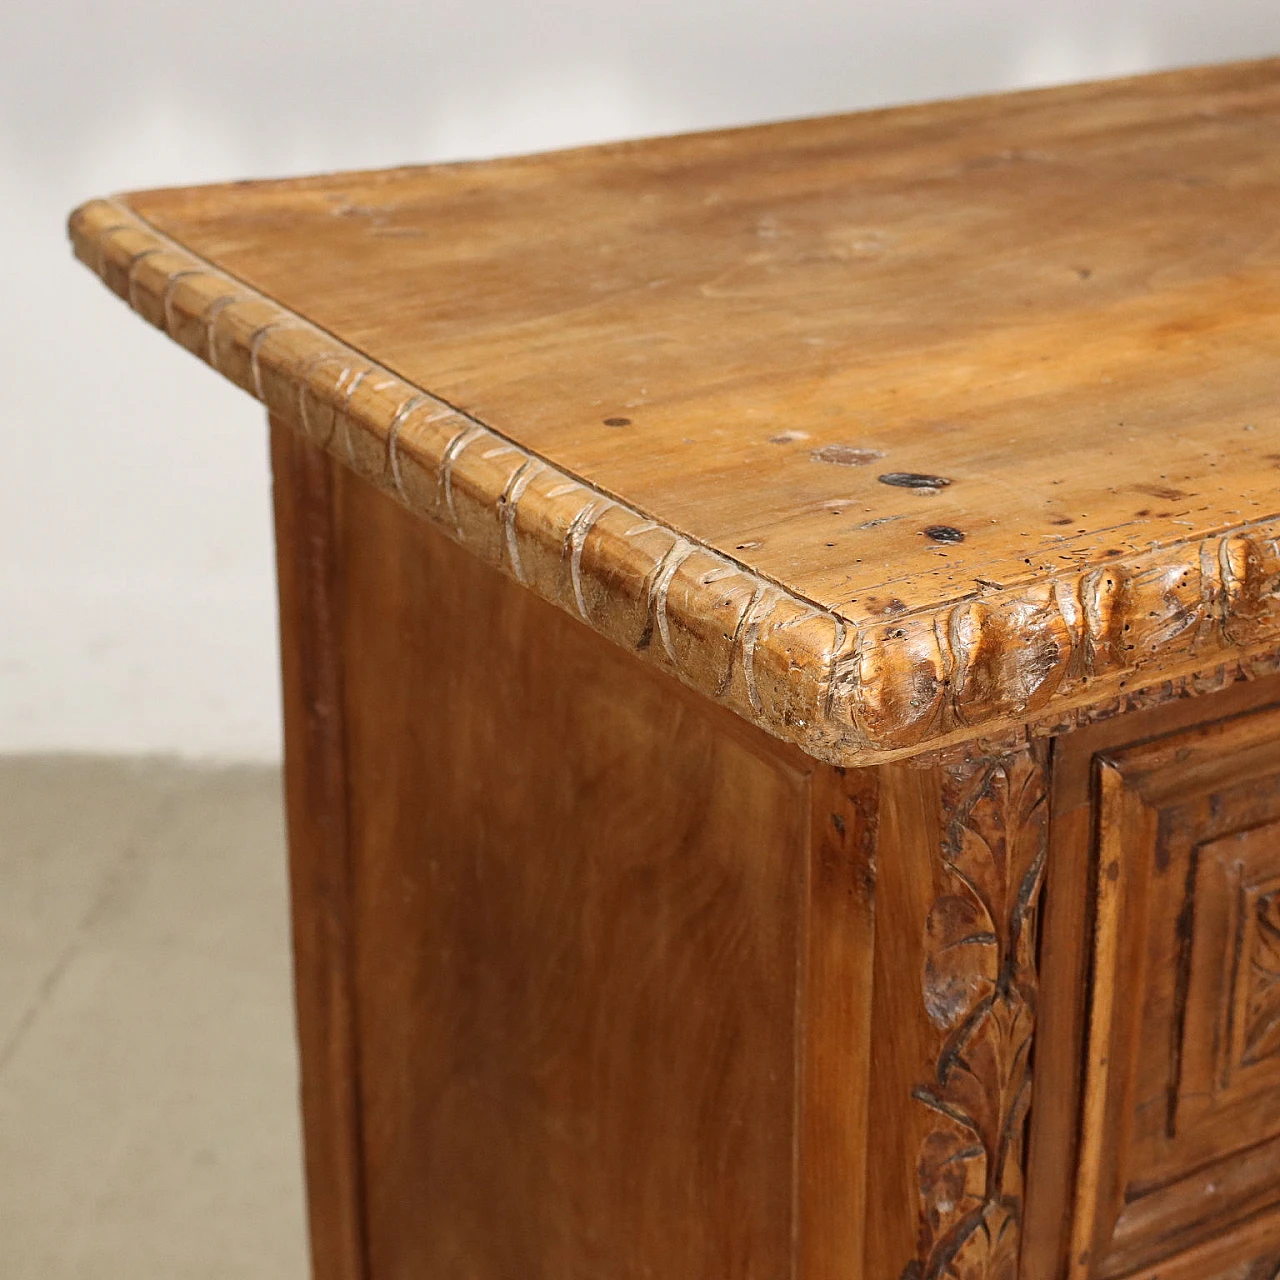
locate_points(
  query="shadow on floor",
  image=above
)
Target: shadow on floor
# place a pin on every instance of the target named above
(148, 1074)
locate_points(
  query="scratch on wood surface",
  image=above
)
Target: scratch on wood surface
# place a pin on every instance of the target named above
(575, 541)
(393, 436)
(510, 497)
(216, 308)
(679, 551)
(345, 413)
(260, 335)
(448, 460)
(309, 366)
(750, 638)
(131, 277)
(735, 641)
(796, 620)
(837, 652)
(922, 676)
(166, 299)
(101, 238)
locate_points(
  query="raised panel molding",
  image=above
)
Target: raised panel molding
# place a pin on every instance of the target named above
(1179, 1164)
(1231, 1019)
(1262, 1269)
(1260, 961)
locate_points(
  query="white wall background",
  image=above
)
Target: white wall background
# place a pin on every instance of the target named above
(136, 597)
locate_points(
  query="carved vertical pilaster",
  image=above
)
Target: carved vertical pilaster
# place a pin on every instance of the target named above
(979, 991)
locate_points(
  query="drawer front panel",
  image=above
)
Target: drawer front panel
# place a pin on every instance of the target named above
(1179, 1153)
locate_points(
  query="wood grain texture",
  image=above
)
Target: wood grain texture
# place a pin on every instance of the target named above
(609, 945)
(981, 988)
(1248, 1257)
(836, 1025)
(1257, 1019)
(673, 418)
(961, 856)
(1066, 953)
(937, 443)
(579, 912)
(1186, 827)
(1157, 1139)
(1267, 1268)
(319, 854)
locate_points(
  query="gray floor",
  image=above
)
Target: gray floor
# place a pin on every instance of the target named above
(148, 1073)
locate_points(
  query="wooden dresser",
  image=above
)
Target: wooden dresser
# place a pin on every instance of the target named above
(781, 641)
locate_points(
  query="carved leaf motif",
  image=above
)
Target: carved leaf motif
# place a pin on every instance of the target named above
(979, 986)
(990, 1250)
(961, 966)
(987, 1078)
(953, 1177)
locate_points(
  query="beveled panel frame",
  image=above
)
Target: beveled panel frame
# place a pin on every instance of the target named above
(1161, 822)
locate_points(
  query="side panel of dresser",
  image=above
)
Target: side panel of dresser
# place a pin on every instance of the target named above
(319, 855)
(1156, 1135)
(584, 961)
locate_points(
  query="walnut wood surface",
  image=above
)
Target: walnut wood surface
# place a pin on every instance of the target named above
(939, 442)
(837, 1033)
(596, 979)
(1154, 1148)
(981, 987)
(606, 947)
(961, 856)
(320, 871)
(661, 382)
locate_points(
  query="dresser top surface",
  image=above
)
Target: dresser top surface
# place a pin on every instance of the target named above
(909, 367)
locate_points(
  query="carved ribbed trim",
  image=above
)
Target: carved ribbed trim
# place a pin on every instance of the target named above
(843, 692)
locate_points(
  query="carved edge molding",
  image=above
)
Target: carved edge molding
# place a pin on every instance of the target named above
(1192, 685)
(846, 692)
(980, 988)
(773, 658)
